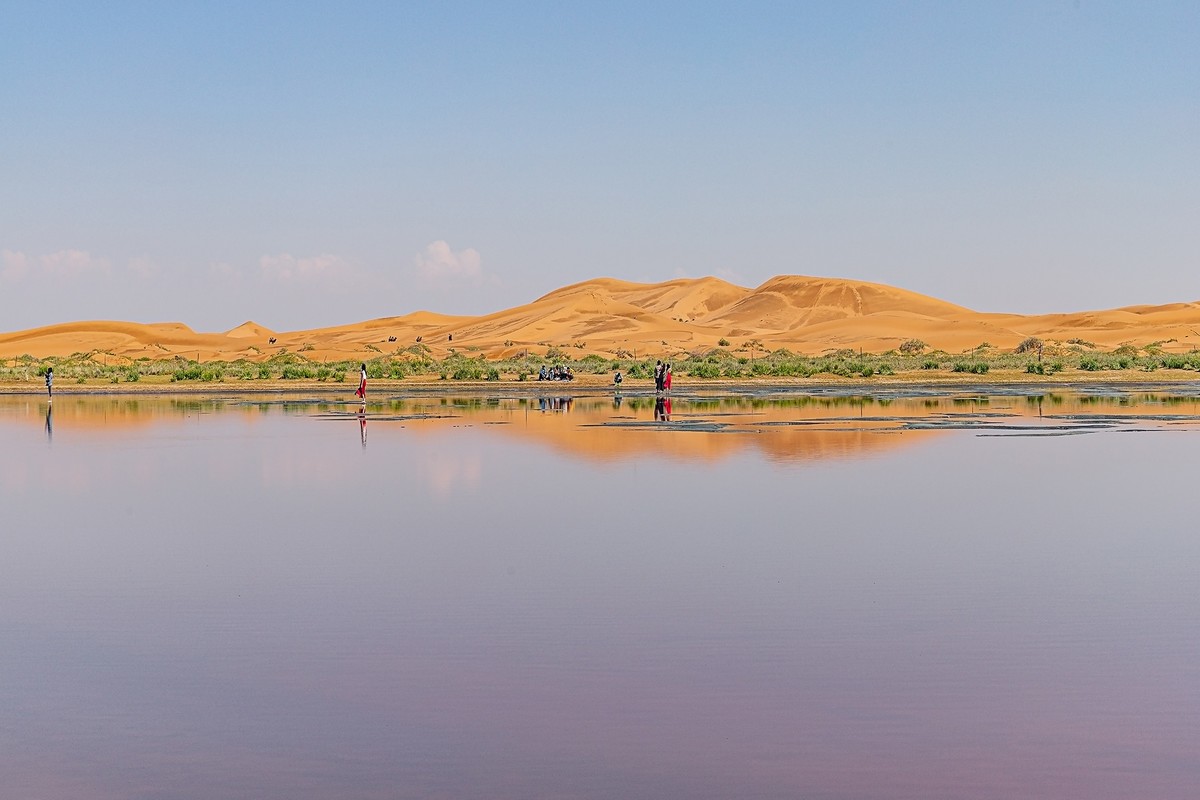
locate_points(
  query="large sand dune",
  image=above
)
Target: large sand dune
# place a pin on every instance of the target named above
(613, 317)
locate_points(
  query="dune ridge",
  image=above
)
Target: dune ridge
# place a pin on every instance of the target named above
(612, 317)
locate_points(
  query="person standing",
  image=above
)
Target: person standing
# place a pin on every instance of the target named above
(667, 377)
(658, 376)
(50, 383)
(362, 383)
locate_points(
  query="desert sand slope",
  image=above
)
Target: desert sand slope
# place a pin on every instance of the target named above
(611, 317)
(120, 339)
(789, 302)
(250, 330)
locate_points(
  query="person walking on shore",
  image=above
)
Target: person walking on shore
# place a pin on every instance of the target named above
(50, 383)
(667, 377)
(361, 392)
(658, 376)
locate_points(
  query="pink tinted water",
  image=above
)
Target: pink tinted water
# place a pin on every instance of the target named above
(215, 599)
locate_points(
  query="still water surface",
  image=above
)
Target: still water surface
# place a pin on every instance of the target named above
(899, 596)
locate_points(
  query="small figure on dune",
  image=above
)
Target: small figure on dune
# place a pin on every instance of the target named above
(50, 383)
(361, 392)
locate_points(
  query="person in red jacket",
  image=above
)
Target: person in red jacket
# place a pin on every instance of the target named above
(362, 384)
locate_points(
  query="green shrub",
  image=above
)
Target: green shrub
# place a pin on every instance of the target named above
(974, 367)
(1029, 345)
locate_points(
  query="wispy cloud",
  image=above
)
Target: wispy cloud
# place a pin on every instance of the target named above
(142, 267)
(440, 264)
(287, 268)
(730, 275)
(73, 264)
(13, 266)
(63, 264)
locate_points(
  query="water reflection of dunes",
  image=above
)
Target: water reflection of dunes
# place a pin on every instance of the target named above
(113, 413)
(782, 427)
(603, 443)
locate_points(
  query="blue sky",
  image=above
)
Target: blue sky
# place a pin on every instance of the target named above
(308, 164)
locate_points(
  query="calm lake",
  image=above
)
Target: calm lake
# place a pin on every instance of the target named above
(522, 595)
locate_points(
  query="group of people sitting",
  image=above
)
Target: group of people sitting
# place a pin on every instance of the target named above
(556, 373)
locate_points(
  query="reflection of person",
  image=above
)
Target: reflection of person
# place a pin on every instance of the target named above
(362, 428)
(659, 413)
(362, 383)
(667, 410)
(50, 383)
(50, 423)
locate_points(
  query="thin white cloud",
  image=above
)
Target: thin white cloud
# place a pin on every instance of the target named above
(13, 266)
(73, 264)
(287, 268)
(731, 275)
(62, 264)
(439, 264)
(142, 267)
(224, 271)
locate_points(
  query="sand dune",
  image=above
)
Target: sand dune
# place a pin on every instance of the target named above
(610, 317)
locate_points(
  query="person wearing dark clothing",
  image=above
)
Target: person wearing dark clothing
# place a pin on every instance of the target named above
(50, 383)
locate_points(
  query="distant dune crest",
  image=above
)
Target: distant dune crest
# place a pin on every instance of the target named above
(612, 317)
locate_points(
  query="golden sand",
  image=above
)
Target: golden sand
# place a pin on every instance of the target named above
(617, 318)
